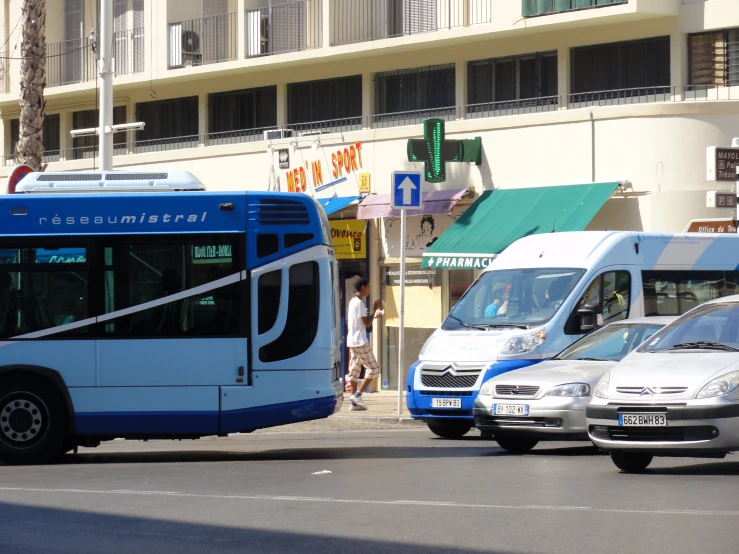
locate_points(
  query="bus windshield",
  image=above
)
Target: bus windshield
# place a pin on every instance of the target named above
(513, 298)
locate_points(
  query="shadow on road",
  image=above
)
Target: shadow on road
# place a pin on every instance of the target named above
(291, 454)
(712, 468)
(33, 530)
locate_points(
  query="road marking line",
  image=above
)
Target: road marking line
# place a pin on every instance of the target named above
(733, 513)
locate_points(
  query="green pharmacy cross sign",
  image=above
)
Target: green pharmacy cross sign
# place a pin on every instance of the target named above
(435, 151)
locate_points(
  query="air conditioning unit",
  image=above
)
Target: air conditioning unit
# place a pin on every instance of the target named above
(274, 134)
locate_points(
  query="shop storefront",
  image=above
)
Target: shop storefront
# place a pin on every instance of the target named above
(430, 292)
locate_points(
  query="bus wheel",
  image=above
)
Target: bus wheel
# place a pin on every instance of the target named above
(449, 429)
(33, 421)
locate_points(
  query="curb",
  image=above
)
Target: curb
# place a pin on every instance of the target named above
(398, 420)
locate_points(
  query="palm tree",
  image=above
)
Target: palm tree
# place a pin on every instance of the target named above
(30, 147)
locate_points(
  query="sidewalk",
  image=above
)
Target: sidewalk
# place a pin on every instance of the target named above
(382, 407)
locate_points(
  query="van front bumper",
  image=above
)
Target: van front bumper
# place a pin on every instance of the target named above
(420, 398)
(693, 428)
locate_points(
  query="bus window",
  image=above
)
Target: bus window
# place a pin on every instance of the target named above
(43, 288)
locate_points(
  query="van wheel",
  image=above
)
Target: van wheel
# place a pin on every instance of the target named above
(631, 462)
(449, 429)
(34, 427)
(516, 445)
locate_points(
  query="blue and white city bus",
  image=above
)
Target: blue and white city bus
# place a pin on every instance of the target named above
(173, 313)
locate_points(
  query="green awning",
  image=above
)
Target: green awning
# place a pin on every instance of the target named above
(500, 217)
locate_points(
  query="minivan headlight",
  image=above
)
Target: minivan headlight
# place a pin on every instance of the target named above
(524, 343)
(486, 386)
(720, 385)
(570, 389)
(601, 389)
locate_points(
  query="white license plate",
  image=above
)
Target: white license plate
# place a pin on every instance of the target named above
(446, 402)
(511, 409)
(642, 420)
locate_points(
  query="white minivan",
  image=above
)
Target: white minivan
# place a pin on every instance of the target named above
(545, 291)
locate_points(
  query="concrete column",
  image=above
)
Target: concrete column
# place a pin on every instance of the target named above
(564, 75)
(203, 118)
(325, 23)
(281, 104)
(240, 29)
(65, 139)
(460, 88)
(679, 76)
(368, 99)
(158, 39)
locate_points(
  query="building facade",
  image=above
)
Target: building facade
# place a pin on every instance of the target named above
(321, 97)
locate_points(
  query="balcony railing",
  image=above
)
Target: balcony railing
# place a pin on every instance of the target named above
(70, 61)
(544, 7)
(365, 20)
(129, 51)
(690, 93)
(203, 41)
(75, 61)
(289, 27)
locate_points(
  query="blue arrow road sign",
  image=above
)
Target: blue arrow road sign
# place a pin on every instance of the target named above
(406, 192)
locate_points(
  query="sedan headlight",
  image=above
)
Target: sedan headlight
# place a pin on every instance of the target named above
(601, 389)
(524, 343)
(720, 385)
(571, 390)
(485, 388)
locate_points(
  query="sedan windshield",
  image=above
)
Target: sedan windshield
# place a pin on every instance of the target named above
(713, 327)
(611, 343)
(513, 298)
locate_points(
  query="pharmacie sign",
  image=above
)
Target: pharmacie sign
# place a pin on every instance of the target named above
(344, 161)
(349, 238)
(457, 262)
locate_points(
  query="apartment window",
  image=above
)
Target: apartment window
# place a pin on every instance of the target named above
(169, 124)
(415, 94)
(544, 7)
(239, 113)
(532, 76)
(86, 147)
(714, 58)
(622, 66)
(50, 136)
(328, 103)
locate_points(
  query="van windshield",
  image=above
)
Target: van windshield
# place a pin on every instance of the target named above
(513, 298)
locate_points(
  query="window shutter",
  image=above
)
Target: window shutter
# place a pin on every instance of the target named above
(214, 7)
(657, 62)
(287, 25)
(51, 134)
(708, 57)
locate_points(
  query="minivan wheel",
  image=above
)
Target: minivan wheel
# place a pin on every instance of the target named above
(33, 421)
(516, 445)
(449, 429)
(631, 462)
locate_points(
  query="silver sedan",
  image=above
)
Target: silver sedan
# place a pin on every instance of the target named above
(547, 401)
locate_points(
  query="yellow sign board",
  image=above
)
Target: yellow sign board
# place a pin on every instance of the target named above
(349, 237)
(364, 183)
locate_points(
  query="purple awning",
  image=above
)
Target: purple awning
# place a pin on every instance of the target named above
(434, 202)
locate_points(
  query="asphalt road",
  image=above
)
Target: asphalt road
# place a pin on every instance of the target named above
(390, 489)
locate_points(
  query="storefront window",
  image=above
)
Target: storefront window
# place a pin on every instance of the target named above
(423, 311)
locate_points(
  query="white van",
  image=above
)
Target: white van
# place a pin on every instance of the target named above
(546, 291)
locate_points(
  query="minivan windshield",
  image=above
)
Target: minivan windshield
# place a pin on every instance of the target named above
(513, 298)
(713, 327)
(611, 343)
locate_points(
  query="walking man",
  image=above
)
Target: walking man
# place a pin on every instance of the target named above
(361, 352)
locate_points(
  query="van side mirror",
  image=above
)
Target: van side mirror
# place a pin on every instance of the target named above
(587, 319)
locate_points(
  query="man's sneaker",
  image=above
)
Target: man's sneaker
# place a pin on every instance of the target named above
(353, 400)
(357, 407)
(358, 399)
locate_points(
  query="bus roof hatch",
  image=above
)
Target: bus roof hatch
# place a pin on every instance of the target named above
(109, 181)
